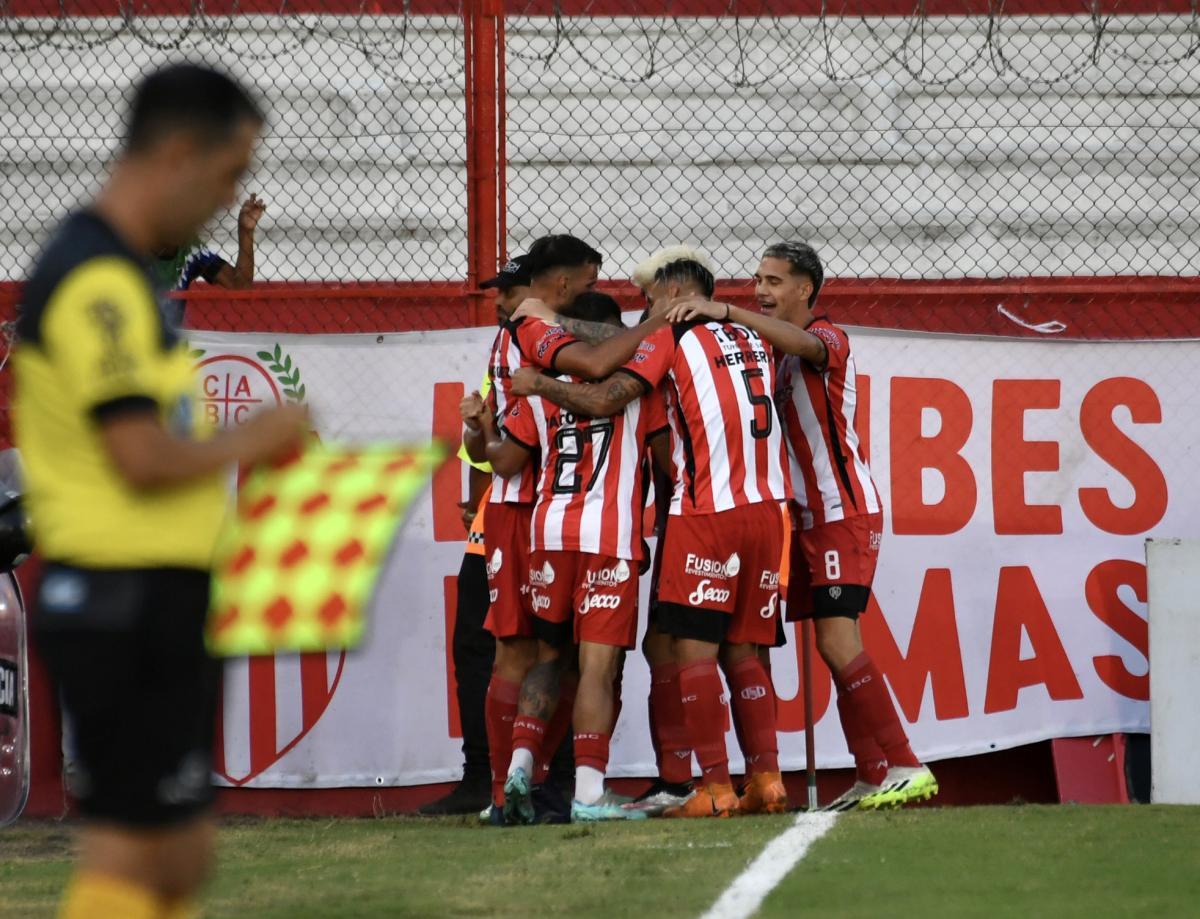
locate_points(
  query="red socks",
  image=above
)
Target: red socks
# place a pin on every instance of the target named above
(700, 689)
(499, 712)
(753, 699)
(556, 729)
(592, 750)
(869, 762)
(667, 730)
(528, 733)
(862, 683)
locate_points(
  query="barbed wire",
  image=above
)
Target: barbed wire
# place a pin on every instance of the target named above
(664, 44)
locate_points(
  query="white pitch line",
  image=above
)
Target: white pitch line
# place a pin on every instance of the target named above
(745, 895)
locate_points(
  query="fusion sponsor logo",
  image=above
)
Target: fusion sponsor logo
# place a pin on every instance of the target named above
(495, 563)
(876, 540)
(543, 576)
(599, 601)
(705, 594)
(609, 577)
(711, 568)
(768, 580)
(540, 602)
(751, 693)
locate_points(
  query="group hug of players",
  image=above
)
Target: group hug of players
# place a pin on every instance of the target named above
(766, 507)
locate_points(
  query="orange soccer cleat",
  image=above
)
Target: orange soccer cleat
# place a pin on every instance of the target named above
(764, 794)
(708, 801)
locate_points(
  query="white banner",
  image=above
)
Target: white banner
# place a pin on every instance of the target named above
(1019, 479)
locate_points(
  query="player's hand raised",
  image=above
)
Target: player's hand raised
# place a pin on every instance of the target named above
(686, 309)
(533, 308)
(524, 381)
(470, 409)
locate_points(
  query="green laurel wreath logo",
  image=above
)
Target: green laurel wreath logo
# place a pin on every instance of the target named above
(286, 372)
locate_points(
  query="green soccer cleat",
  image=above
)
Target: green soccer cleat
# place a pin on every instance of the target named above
(902, 785)
(518, 798)
(602, 810)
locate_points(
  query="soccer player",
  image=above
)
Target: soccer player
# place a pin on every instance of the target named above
(127, 488)
(586, 545)
(718, 587)
(841, 517)
(560, 268)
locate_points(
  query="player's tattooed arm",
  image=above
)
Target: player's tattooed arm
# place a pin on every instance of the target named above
(539, 690)
(597, 400)
(590, 332)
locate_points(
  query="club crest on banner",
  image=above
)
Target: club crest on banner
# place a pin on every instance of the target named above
(268, 703)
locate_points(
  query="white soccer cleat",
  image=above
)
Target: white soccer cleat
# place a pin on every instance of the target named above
(851, 798)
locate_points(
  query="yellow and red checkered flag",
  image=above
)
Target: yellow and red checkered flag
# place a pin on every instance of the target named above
(296, 568)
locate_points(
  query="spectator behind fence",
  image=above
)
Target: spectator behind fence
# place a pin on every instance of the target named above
(174, 269)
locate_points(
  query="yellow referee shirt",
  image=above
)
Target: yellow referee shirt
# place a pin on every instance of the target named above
(92, 344)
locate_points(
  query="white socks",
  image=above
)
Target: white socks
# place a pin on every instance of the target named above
(589, 785)
(522, 758)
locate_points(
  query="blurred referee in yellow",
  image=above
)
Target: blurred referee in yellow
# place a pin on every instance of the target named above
(126, 490)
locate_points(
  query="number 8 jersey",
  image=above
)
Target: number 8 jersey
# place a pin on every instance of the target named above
(726, 439)
(589, 488)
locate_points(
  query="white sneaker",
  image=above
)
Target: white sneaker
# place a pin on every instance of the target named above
(849, 799)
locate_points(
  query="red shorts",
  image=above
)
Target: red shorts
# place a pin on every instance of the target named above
(577, 596)
(720, 575)
(506, 541)
(832, 568)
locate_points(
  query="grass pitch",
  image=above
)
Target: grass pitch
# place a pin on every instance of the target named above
(996, 861)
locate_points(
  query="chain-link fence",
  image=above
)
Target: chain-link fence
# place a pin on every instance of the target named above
(912, 145)
(983, 141)
(362, 165)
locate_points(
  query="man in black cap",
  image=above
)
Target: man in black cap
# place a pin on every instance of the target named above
(474, 648)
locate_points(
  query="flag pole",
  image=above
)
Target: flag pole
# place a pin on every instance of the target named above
(810, 759)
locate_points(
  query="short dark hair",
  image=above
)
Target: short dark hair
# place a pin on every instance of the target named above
(803, 259)
(188, 97)
(593, 306)
(560, 251)
(686, 271)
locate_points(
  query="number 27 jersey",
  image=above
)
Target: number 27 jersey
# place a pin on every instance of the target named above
(589, 487)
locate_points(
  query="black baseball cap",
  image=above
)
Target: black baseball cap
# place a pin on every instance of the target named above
(515, 273)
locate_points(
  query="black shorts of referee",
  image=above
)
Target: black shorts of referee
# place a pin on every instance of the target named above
(125, 651)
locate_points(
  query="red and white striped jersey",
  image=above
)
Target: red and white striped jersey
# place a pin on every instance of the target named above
(830, 473)
(726, 438)
(524, 343)
(589, 484)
